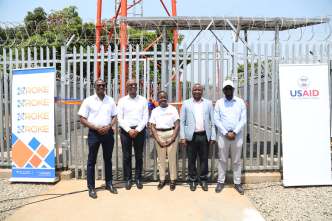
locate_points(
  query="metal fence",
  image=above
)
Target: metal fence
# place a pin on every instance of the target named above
(254, 69)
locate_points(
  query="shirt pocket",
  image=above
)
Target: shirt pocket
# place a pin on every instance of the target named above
(106, 109)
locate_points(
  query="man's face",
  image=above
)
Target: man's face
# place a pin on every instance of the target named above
(132, 88)
(197, 91)
(228, 92)
(100, 87)
(162, 99)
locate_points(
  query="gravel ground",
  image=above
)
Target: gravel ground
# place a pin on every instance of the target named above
(11, 195)
(301, 203)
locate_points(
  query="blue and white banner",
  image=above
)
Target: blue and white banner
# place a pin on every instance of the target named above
(305, 118)
(33, 152)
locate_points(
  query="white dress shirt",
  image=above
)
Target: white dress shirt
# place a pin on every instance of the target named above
(133, 112)
(164, 118)
(98, 112)
(230, 115)
(198, 110)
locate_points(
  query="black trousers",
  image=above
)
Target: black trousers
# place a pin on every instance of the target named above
(199, 146)
(94, 141)
(127, 144)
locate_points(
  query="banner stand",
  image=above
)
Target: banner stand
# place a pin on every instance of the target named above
(305, 117)
(33, 140)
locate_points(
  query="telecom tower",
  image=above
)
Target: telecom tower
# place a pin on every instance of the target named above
(136, 11)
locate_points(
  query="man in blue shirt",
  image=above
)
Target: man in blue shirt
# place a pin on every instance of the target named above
(230, 117)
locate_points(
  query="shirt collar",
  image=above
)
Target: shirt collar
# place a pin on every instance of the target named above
(97, 98)
(233, 100)
(200, 101)
(135, 98)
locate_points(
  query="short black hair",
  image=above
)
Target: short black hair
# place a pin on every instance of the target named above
(198, 84)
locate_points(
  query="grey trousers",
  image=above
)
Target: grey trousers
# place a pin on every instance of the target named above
(235, 147)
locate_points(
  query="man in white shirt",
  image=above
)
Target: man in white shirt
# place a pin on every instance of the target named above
(165, 126)
(230, 117)
(133, 115)
(197, 131)
(98, 113)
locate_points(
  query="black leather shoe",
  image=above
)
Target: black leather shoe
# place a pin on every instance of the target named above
(192, 186)
(111, 188)
(92, 193)
(139, 184)
(172, 185)
(239, 188)
(161, 184)
(128, 184)
(219, 187)
(204, 186)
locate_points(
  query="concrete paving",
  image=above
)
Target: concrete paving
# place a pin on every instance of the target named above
(146, 204)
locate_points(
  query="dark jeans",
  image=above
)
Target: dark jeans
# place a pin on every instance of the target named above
(94, 141)
(127, 143)
(198, 146)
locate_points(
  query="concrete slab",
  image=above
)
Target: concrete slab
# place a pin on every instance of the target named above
(146, 204)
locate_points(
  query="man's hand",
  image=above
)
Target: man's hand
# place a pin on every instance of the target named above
(131, 133)
(183, 142)
(103, 130)
(212, 142)
(169, 142)
(162, 144)
(230, 135)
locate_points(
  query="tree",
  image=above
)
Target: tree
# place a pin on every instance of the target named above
(36, 21)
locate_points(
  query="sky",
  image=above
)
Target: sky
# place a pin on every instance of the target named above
(15, 10)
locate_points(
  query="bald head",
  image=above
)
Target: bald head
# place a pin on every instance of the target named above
(132, 87)
(100, 87)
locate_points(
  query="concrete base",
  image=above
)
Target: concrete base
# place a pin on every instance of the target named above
(261, 177)
(256, 177)
(65, 175)
(5, 173)
(248, 177)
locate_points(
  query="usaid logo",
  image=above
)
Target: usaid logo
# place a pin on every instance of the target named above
(303, 82)
(305, 91)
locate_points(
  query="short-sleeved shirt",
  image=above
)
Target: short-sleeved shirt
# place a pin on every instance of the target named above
(164, 118)
(98, 112)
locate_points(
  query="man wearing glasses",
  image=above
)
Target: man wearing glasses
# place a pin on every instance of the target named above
(133, 115)
(98, 113)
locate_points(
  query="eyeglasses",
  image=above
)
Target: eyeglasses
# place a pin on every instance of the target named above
(100, 85)
(132, 85)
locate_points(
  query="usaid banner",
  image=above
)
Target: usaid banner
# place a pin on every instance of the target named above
(305, 119)
(33, 141)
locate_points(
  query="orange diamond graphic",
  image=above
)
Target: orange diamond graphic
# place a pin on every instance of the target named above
(42, 151)
(21, 153)
(35, 161)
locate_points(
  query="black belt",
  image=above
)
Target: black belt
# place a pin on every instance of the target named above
(200, 133)
(164, 129)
